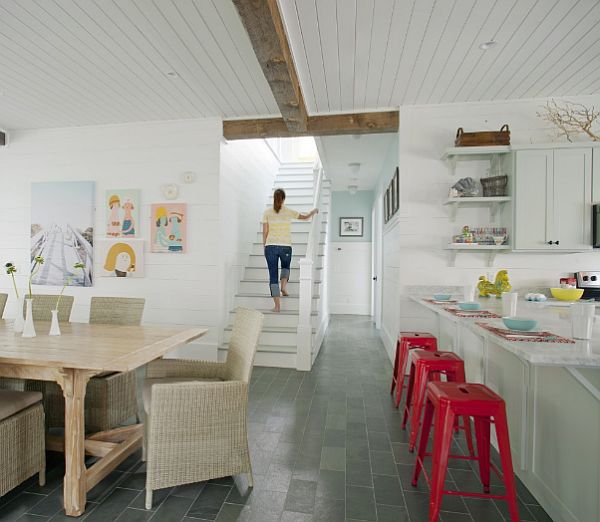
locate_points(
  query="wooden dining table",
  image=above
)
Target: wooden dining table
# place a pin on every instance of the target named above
(71, 359)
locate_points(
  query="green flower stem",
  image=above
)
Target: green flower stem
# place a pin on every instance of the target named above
(15, 284)
(33, 274)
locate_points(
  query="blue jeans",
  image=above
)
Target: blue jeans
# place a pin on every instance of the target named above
(273, 254)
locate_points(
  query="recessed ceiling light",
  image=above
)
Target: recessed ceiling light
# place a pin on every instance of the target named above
(172, 74)
(353, 189)
(484, 46)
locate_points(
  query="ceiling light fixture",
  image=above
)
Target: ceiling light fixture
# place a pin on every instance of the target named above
(484, 46)
(354, 167)
(172, 74)
(353, 189)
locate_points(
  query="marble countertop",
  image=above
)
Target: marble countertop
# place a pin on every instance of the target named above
(555, 319)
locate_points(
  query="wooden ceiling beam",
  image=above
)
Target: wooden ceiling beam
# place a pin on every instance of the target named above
(324, 125)
(264, 25)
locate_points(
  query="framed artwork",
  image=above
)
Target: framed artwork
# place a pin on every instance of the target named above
(121, 257)
(351, 226)
(168, 225)
(122, 213)
(62, 232)
(386, 206)
(396, 191)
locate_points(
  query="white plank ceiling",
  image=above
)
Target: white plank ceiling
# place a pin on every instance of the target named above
(370, 150)
(355, 55)
(72, 62)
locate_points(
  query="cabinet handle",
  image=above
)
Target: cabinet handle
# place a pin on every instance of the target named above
(550, 242)
(557, 242)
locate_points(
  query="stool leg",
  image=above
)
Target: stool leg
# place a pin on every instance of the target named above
(416, 408)
(402, 358)
(395, 372)
(468, 435)
(409, 394)
(425, 431)
(482, 432)
(444, 423)
(507, 467)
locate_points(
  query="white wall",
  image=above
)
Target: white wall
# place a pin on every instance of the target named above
(415, 238)
(248, 169)
(349, 278)
(179, 289)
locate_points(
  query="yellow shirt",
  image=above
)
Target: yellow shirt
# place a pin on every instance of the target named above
(280, 225)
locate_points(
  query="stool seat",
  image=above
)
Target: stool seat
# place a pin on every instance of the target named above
(408, 341)
(444, 402)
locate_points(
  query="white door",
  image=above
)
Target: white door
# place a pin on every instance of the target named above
(377, 272)
(572, 199)
(533, 200)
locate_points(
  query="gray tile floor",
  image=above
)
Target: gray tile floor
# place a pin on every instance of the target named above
(326, 446)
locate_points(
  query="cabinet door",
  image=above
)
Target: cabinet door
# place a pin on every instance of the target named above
(572, 199)
(596, 175)
(533, 201)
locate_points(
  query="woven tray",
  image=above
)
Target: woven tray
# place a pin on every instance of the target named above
(476, 314)
(433, 301)
(526, 337)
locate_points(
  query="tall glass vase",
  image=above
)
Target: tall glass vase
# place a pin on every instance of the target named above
(29, 328)
(19, 320)
(54, 326)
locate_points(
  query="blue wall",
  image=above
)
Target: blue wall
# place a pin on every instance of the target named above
(344, 204)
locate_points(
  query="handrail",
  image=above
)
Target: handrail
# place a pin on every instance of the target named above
(307, 264)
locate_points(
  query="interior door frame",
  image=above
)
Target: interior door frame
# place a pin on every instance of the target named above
(377, 260)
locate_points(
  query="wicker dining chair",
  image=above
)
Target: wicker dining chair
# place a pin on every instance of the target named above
(3, 299)
(195, 426)
(41, 308)
(110, 398)
(22, 438)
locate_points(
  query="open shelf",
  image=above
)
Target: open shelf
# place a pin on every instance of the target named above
(494, 202)
(491, 250)
(453, 154)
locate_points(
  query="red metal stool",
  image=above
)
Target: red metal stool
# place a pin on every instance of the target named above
(425, 367)
(446, 401)
(408, 341)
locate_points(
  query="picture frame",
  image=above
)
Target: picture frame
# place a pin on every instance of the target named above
(386, 206)
(351, 227)
(395, 192)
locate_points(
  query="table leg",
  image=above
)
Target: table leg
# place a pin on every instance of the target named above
(74, 383)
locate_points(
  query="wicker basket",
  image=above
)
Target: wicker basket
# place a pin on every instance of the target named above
(494, 186)
(482, 138)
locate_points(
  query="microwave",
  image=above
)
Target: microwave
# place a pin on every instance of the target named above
(596, 225)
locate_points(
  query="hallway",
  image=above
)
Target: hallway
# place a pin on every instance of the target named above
(326, 446)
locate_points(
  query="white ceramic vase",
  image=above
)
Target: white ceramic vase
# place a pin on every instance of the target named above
(29, 328)
(54, 326)
(19, 320)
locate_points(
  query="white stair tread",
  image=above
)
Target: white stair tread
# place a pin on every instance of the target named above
(267, 348)
(262, 255)
(269, 311)
(291, 296)
(266, 281)
(274, 329)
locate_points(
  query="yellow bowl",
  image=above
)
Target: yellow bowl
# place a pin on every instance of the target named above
(567, 294)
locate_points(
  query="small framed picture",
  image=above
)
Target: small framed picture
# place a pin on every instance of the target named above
(386, 206)
(396, 191)
(351, 226)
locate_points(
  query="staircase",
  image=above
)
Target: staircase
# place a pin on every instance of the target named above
(278, 344)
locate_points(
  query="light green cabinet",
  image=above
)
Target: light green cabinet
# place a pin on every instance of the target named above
(553, 198)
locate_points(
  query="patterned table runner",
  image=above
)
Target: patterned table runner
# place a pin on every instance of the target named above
(527, 337)
(433, 301)
(475, 314)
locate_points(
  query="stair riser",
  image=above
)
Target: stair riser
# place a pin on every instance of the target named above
(292, 192)
(304, 207)
(283, 320)
(290, 201)
(297, 237)
(297, 226)
(260, 287)
(258, 261)
(281, 179)
(262, 274)
(288, 304)
(271, 338)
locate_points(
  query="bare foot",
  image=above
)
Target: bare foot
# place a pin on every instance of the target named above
(284, 293)
(276, 310)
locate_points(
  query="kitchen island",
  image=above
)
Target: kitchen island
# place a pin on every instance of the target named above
(552, 394)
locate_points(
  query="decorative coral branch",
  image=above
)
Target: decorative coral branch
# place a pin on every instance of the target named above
(571, 118)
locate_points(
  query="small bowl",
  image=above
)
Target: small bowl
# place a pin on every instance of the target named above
(470, 305)
(442, 297)
(519, 323)
(567, 294)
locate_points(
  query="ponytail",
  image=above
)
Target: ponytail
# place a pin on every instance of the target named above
(278, 199)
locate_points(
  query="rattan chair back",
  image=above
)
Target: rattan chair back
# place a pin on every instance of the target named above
(3, 298)
(43, 304)
(117, 310)
(247, 326)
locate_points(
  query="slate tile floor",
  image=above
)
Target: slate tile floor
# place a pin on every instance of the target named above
(326, 447)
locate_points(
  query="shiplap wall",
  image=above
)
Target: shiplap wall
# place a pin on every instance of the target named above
(179, 289)
(414, 240)
(248, 169)
(349, 282)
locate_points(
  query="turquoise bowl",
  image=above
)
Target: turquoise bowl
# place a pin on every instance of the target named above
(442, 297)
(469, 306)
(519, 323)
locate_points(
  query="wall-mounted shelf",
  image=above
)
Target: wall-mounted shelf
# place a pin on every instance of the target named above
(493, 202)
(491, 250)
(493, 154)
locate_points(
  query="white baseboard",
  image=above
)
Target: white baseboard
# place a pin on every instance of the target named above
(318, 340)
(350, 308)
(389, 342)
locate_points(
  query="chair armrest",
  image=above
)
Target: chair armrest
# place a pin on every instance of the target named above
(185, 368)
